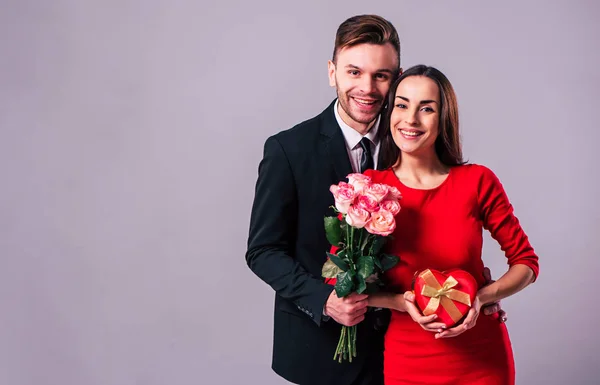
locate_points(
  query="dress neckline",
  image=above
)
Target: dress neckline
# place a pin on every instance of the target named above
(450, 172)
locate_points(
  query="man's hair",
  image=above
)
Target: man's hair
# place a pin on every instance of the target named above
(369, 29)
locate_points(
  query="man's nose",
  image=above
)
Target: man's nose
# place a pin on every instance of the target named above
(367, 84)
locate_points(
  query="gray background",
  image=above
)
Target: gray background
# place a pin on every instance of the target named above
(130, 137)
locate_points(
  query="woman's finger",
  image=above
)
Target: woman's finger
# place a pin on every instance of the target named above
(471, 315)
(453, 332)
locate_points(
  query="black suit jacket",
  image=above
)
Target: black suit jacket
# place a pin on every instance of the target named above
(287, 245)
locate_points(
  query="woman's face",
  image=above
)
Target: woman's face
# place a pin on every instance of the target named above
(414, 122)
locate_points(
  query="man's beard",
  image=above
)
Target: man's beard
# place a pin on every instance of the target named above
(345, 103)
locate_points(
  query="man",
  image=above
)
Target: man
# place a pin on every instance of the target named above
(287, 244)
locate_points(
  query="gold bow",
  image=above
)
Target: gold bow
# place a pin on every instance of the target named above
(443, 294)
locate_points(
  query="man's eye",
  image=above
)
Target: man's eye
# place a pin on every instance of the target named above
(381, 76)
(353, 72)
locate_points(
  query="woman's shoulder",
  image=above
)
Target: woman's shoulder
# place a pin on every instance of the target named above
(473, 171)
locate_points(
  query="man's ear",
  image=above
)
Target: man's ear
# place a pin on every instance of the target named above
(331, 73)
(400, 71)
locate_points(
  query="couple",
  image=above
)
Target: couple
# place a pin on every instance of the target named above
(404, 124)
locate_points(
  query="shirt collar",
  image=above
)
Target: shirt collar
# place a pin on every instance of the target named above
(350, 134)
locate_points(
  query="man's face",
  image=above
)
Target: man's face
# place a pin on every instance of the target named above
(362, 77)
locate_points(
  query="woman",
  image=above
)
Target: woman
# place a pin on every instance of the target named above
(445, 205)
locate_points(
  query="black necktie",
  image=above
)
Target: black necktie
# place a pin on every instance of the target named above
(366, 160)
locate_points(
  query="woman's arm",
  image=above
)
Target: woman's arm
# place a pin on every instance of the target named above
(406, 303)
(514, 280)
(387, 300)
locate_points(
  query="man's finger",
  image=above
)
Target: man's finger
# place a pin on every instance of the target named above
(355, 297)
(356, 320)
(487, 274)
(502, 316)
(357, 312)
(491, 309)
(351, 308)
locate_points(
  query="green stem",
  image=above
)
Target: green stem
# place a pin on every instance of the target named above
(354, 342)
(351, 243)
(339, 345)
(350, 344)
(360, 241)
(348, 242)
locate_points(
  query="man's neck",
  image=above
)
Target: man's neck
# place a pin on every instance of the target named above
(361, 128)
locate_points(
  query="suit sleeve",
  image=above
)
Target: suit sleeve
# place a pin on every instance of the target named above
(272, 235)
(499, 219)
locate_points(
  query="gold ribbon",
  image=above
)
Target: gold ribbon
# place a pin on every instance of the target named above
(443, 294)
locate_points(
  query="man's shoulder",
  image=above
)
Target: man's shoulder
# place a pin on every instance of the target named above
(307, 130)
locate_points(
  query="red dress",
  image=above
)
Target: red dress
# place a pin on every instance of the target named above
(441, 228)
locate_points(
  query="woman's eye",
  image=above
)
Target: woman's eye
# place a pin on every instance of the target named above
(400, 105)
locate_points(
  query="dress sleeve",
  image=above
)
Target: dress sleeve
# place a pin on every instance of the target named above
(498, 218)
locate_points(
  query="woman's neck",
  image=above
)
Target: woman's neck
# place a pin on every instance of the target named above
(420, 169)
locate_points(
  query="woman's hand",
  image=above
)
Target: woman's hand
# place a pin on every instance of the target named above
(426, 322)
(468, 323)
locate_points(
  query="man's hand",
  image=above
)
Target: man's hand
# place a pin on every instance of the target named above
(493, 307)
(347, 311)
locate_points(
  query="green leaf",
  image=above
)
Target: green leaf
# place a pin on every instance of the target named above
(365, 266)
(362, 285)
(333, 232)
(377, 244)
(388, 261)
(338, 261)
(330, 270)
(344, 284)
(366, 237)
(377, 263)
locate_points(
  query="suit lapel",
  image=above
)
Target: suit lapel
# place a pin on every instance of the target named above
(335, 145)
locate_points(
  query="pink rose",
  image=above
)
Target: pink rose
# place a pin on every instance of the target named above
(343, 194)
(390, 205)
(357, 217)
(367, 202)
(358, 181)
(393, 193)
(376, 190)
(382, 223)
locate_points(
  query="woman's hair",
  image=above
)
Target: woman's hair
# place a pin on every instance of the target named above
(447, 144)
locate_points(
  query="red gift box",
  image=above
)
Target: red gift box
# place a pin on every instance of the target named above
(448, 294)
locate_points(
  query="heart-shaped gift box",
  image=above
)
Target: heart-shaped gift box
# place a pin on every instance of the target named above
(448, 294)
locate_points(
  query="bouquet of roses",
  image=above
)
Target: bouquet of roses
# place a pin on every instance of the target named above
(365, 219)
